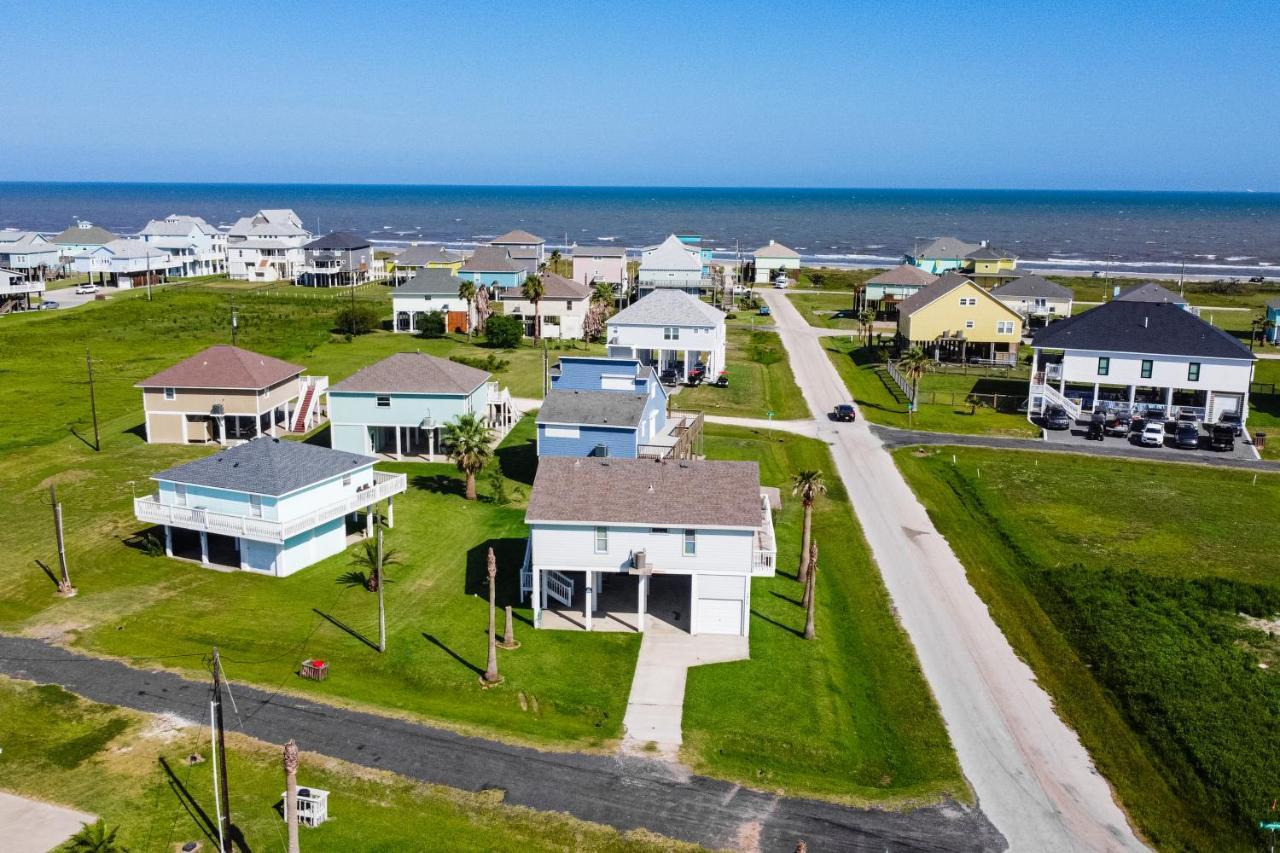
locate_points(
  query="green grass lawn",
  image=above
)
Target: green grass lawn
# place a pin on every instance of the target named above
(132, 770)
(1119, 582)
(833, 278)
(944, 406)
(43, 387)
(848, 715)
(821, 310)
(760, 381)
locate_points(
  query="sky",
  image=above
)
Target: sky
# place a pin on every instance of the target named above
(1031, 94)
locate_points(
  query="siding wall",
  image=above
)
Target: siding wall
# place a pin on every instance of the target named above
(573, 548)
(347, 407)
(621, 442)
(1216, 374)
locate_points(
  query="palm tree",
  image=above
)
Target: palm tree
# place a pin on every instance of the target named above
(913, 366)
(491, 671)
(470, 443)
(533, 290)
(602, 293)
(367, 558)
(807, 485)
(867, 318)
(467, 293)
(811, 593)
(290, 758)
(555, 261)
(95, 838)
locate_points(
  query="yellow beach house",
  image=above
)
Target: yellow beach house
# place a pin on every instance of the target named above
(954, 319)
(991, 267)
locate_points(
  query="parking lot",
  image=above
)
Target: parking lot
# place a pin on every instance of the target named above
(1076, 436)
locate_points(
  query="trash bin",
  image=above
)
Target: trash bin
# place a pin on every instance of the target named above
(1259, 440)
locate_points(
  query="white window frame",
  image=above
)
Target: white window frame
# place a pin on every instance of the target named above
(378, 401)
(601, 544)
(671, 333)
(689, 543)
(1004, 327)
(170, 393)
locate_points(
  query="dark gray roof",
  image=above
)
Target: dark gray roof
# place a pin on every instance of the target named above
(490, 259)
(943, 248)
(596, 408)
(266, 466)
(1032, 285)
(1158, 328)
(431, 280)
(339, 240)
(414, 373)
(1150, 292)
(989, 253)
(691, 493)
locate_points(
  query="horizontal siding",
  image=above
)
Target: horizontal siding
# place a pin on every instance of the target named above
(621, 442)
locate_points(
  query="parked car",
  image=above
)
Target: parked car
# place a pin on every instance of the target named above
(1257, 279)
(1119, 422)
(1187, 436)
(844, 412)
(1232, 420)
(669, 377)
(48, 305)
(1152, 434)
(764, 311)
(1222, 437)
(86, 288)
(1056, 417)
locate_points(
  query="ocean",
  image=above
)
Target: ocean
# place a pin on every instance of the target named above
(1227, 234)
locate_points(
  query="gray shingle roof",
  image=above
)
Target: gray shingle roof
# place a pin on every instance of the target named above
(668, 308)
(91, 236)
(517, 237)
(338, 240)
(490, 259)
(416, 256)
(989, 253)
(266, 466)
(904, 274)
(596, 408)
(554, 287)
(937, 290)
(775, 250)
(1032, 285)
(1158, 328)
(1150, 292)
(414, 373)
(692, 493)
(431, 280)
(943, 248)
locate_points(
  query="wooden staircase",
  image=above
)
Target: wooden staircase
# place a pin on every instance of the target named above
(304, 409)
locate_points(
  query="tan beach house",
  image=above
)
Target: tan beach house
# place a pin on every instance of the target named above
(226, 395)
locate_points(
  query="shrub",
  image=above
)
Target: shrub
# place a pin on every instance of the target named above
(490, 362)
(358, 319)
(431, 325)
(504, 331)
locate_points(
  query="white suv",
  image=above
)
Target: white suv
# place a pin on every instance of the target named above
(1153, 434)
(87, 287)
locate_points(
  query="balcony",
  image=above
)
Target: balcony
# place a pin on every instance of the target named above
(765, 554)
(681, 438)
(20, 287)
(149, 509)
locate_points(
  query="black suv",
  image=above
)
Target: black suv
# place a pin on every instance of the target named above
(1187, 436)
(1222, 437)
(1232, 420)
(844, 412)
(1056, 417)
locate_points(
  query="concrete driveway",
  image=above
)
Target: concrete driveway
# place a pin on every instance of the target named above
(1033, 778)
(30, 826)
(1074, 438)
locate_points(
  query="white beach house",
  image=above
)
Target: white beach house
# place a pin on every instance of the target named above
(673, 264)
(267, 246)
(562, 308)
(669, 329)
(774, 260)
(127, 263)
(200, 248)
(614, 542)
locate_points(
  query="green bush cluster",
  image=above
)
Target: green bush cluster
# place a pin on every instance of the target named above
(504, 331)
(358, 318)
(490, 362)
(1177, 657)
(431, 325)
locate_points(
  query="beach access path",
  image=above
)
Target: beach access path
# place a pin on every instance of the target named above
(1033, 778)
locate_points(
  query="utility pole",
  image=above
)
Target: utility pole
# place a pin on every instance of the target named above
(148, 251)
(546, 370)
(93, 403)
(382, 611)
(221, 801)
(235, 324)
(64, 586)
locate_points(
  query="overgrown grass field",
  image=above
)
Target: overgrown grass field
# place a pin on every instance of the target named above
(760, 381)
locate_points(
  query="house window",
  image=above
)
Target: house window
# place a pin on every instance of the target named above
(346, 480)
(384, 401)
(1004, 327)
(1193, 371)
(1146, 368)
(670, 333)
(180, 495)
(966, 301)
(170, 393)
(602, 540)
(255, 506)
(968, 324)
(1104, 365)
(690, 543)
(657, 530)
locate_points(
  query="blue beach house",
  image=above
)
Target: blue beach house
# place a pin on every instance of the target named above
(267, 506)
(396, 407)
(1273, 318)
(611, 407)
(493, 266)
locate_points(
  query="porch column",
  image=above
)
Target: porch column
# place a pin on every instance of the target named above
(642, 595)
(1062, 380)
(431, 443)
(693, 601)
(204, 547)
(168, 541)
(1133, 395)
(539, 593)
(240, 554)
(587, 592)
(1097, 388)
(391, 511)
(398, 431)
(686, 366)
(1168, 400)
(368, 524)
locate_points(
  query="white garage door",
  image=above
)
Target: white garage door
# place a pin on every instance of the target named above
(1226, 402)
(719, 616)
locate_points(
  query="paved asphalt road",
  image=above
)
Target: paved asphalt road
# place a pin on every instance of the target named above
(1033, 778)
(621, 791)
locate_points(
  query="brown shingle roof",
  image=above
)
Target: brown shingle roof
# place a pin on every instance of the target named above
(937, 290)
(224, 366)
(904, 274)
(692, 493)
(517, 237)
(414, 373)
(554, 287)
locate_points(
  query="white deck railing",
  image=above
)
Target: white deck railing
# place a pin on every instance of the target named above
(1050, 396)
(765, 555)
(150, 509)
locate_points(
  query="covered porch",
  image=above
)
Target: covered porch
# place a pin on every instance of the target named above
(612, 601)
(957, 348)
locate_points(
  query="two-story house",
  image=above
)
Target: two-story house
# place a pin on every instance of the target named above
(613, 407)
(955, 319)
(1143, 356)
(28, 254)
(493, 267)
(592, 264)
(670, 330)
(267, 506)
(527, 250)
(672, 265)
(267, 246)
(989, 266)
(338, 259)
(397, 406)
(613, 542)
(81, 237)
(200, 248)
(561, 310)
(17, 292)
(1036, 299)
(127, 263)
(431, 290)
(883, 292)
(773, 260)
(940, 254)
(411, 259)
(225, 395)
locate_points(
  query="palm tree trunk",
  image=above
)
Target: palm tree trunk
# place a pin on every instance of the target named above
(812, 589)
(382, 611)
(491, 671)
(471, 485)
(291, 793)
(537, 320)
(802, 573)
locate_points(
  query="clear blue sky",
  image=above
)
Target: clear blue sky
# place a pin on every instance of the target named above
(1142, 95)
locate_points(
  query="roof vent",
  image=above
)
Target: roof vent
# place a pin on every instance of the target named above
(1144, 321)
(651, 488)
